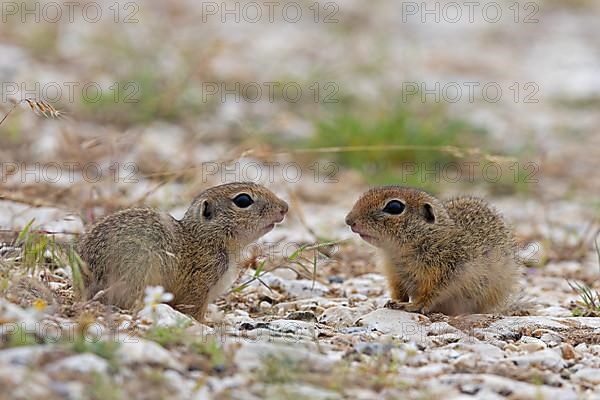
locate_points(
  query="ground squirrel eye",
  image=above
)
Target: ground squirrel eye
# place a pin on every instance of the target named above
(394, 207)
(243, 200)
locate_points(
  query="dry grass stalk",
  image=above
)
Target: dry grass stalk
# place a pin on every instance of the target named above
(39, 107)
(459, 152)
(35, 203)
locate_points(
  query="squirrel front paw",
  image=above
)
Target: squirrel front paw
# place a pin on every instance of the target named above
(405, 306)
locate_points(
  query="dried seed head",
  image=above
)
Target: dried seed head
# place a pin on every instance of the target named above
(39, 107)
(42, 107)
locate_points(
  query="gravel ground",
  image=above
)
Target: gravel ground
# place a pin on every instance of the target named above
(298, 334)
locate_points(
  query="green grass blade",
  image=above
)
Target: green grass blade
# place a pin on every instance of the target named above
(24, 232)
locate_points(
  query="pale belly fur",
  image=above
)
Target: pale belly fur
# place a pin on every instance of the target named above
(225, 282)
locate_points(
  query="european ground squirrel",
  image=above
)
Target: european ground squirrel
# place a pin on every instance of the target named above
(454, 257)
(194, 258)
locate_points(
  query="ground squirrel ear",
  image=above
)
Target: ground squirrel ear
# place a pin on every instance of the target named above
(428, 213)
(207, 211)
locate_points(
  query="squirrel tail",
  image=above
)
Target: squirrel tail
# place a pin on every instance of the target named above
(518, 304)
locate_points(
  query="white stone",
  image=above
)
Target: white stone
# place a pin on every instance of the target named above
(140, 351)
(13, 314)
(300, 391)
(294, 327)
(408, 326)
(543, 359)
(588, 322)
(165, 315)
(447, 338)
(264, 305)
(81, 363)
(516, 324)
(296, 288)
(551, 339)
(217, 384)
(285, 273)
(366, 285)
(504, 386)
(441, 328)
(339, 316)
(251, 355)
(443, 354)
(185, 387)
(426, 371)
(588, 375)
(357, 298)
(20, 382)
(23, 355)
(554, 311)
(466, 361)
(486, 351)
(530, 344)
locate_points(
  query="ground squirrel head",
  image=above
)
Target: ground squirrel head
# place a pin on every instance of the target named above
(241, 212)
(391, 216)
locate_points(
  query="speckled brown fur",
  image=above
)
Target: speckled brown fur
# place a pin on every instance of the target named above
(194, 258)
(455, 257)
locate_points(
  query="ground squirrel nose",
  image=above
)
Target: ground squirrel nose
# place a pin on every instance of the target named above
(349, 220)
(282, 212)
